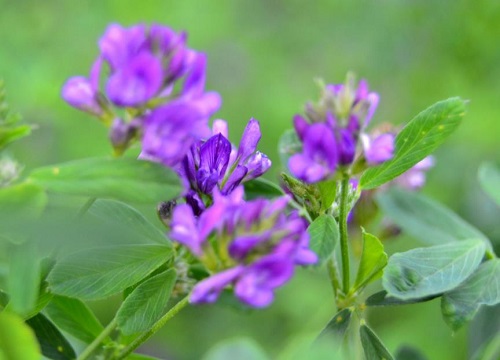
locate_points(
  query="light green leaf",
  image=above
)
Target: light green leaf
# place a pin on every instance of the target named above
(373, 347)
(373, 261)
(128, 218)
(53, 344)
(418, 139)
(382, 299)
(328, 191)
(481, 288)
(20, 203)
(261, 187)
(426, 219)
(74, 317)
(288, 145)
(141, 357)
(324, 234)
(145, 305)
(13, 331)
(23, 282)
(433, 270)
(97, 273)
(337, 326)
(8, 135)
(123, 179)
(44, 297)
(489, 178)
(241, 349)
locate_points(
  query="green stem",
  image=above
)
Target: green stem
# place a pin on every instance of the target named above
(344, 247)
(97, 341)
(334, 277)
(157, 326)
(85, 207)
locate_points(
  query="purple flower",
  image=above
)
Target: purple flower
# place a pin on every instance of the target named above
(378, 149)
(415, 178)
(79, 93)
(208, 290)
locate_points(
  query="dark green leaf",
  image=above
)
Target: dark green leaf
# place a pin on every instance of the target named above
(128, 218)
(13, 332)
(481, 288)
(53, 344)
(426, 219)
(382, 299)
(100, 272)
(373, 348)
(409, 353)
(123, 179)
(74, 317)
(433, 270)
(145, 305)
(261, 187)
(419, 138)
(241, 349)
(489, 178)
(373, 261)
(8, 135)
(288, 145)
(324, 233)
(337, 326)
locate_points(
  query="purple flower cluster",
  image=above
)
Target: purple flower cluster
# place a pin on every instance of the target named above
(252, 246)
(332, 129)
(216, 163)
(138, 97)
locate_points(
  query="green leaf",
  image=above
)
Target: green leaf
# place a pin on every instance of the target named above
(418, 139)
(8, 135)
(373, 261)
(382, 299)
(406, 352)
(23, 283)
(373, 347)
(97, 273)
(481, 288)
(324, 233)
(128, 218)
(53, 344)
(123, 179)
(433, 270)
(145, 305)
(13, 332)
(74, 317)
(241, 349)
(20, 203)
(328, 191)
(141, 357)
(426, 219)
(261, 187)
(288, 145)
(337, 326)
(489, 178)
(44, 297)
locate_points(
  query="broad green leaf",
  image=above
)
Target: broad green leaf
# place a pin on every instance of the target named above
(123, 179)
(328, 191)
(433, 270)
(481, 288)
(288, 145)
(97, 273)
(382, 299)
(74, 317)
(20, 203)
(418, 139)
(145, 305)
(44, 297)
(426, 219)
(52, 342)
(337, 326)
(373, 261)
(373, 347)
(128, 218)
(23, 283)
(8, 135)
(489, 178)
(13, 332)
(324, 234)
(241, 349)
(261, 187)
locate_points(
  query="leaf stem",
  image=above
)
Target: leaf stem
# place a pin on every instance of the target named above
(97, 341)
(334, 276)
(344, 247)
(157, 326)
(86, 206)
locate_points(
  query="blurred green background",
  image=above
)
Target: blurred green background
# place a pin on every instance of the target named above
(263, 57)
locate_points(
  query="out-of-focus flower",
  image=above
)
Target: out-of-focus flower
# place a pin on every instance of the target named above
(414, 179)
(252, 246)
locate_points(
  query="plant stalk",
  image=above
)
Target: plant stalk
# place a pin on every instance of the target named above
(97, 341)
(344, 247)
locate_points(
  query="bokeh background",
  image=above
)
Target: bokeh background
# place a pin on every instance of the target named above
(263, 57)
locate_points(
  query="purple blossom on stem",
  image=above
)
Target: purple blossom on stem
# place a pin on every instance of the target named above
(378, 149)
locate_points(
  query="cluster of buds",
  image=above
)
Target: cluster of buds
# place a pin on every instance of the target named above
(252, 246)
(332, 130)
(139, 98)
